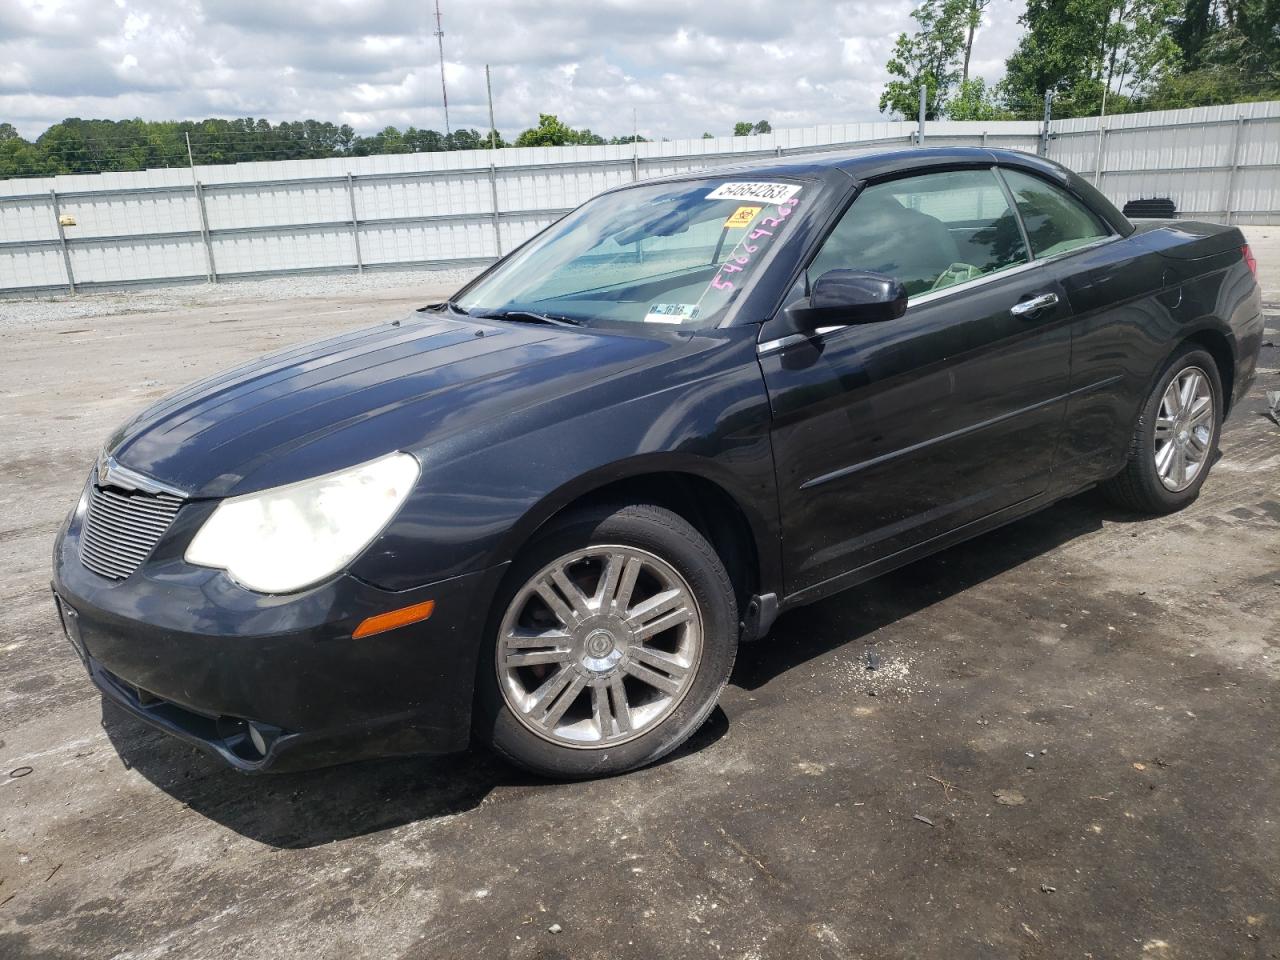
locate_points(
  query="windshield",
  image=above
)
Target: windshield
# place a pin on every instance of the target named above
(670, 253)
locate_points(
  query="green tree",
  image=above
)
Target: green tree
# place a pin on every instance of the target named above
(75, 145)
(972, 14)
(762, 127)
(551, 132)
(743, 128)
(1208, 86)
(1137, 44)
(18, 158)
(974, 100)
(1192, 31)
(467, 139)
(1229, 52)
(389, 140)
(927, 58)
(1082, 49)
(1246, 38)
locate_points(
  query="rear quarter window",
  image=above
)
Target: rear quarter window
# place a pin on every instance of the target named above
(1055, 220)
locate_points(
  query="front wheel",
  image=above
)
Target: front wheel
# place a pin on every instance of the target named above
(610, 643)
(1176, 437)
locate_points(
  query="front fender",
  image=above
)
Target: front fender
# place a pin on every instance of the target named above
(758, 503)
(706, 415)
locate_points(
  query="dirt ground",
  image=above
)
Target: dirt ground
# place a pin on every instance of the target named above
(1068, 747)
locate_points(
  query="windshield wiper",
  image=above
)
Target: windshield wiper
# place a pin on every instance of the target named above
(457, 307)
(530, 316)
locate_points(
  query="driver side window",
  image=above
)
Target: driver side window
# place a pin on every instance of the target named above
(929, 232)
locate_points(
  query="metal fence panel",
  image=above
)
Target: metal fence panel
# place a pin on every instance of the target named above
(136, 260)
(1216, 163)
(36, 266)
(27, 220)
(467, 207)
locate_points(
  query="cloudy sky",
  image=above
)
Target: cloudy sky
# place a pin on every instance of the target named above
(685, 67)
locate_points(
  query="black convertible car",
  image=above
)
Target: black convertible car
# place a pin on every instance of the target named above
(544, 514)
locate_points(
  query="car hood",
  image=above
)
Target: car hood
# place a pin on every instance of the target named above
(324, 406)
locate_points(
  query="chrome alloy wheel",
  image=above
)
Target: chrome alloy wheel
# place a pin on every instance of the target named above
(599, 646)
(1184, 429)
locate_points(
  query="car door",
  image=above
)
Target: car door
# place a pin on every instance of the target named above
(1119, 326)
(890, 434)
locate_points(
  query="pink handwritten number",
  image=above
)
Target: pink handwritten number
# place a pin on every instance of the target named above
(735, 264)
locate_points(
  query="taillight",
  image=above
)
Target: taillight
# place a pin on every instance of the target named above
(1250, 260)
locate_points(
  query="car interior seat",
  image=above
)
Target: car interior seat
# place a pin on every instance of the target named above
(880, 234)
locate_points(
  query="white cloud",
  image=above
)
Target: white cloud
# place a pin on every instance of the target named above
(683, 67)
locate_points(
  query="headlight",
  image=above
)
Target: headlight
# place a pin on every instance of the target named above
(286, 538)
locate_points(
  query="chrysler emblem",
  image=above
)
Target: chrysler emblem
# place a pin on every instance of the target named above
(112, 474)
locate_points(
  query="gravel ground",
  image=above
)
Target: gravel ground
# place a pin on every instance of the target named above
(17, 313)
(1055, 741)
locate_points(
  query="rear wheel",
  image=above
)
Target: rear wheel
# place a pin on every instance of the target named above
(610, 643)
(1176, 437)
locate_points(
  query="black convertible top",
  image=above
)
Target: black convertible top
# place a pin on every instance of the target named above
(870, 164)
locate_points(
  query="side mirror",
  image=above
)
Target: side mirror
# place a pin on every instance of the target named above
(847, 297)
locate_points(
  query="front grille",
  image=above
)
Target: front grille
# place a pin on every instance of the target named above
(122, 527)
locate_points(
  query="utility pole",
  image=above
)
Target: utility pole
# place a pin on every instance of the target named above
(211, 276)
(444, 93)
(493, 168)
(635, 144)
(1048, 119)
(493, 130)
(1102, 135)
(924, 103)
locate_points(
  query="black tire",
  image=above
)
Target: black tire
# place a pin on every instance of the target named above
(643, 527)
(1138, 486)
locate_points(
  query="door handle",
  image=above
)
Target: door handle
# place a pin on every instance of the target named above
(1029, 308)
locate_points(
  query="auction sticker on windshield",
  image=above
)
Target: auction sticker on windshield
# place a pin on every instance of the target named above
(755, 190)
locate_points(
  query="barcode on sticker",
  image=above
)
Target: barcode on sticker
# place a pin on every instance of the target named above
(755, 190)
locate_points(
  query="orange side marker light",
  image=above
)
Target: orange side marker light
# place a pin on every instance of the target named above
(393, 619)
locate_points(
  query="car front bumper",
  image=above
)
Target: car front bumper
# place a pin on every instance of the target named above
(276, 682)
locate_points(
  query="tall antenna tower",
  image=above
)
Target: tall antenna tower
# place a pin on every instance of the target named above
(444, 93)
